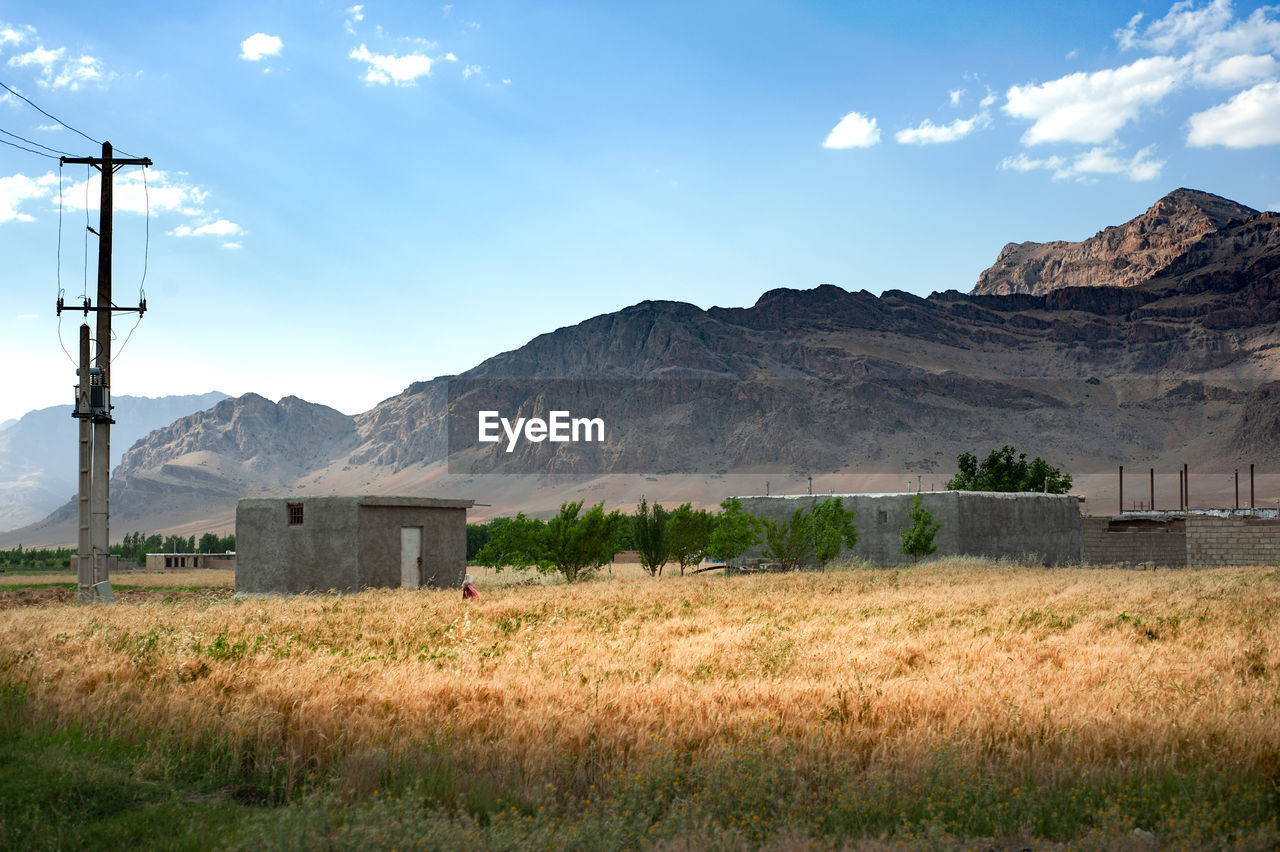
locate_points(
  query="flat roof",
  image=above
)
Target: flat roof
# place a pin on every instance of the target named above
(371, 500)
(418, 502)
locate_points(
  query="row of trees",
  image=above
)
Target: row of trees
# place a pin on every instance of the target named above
(135, 546)
(577, 544)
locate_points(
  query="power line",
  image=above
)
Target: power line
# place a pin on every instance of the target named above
(47, 115)
(33, 142)
(37, 108)
(28, 150)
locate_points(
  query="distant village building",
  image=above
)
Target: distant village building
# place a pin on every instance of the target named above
(183, 561)
(304, 544)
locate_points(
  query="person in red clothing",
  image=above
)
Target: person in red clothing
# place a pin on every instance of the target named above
(469, 589)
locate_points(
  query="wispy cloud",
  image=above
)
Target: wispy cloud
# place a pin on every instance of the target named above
(928, 133)
(388, 69)
(855, 130)
(1090, 164)
(219, 228)
(354, 16)
(259, 46)
(1202, 46)
(57, 70)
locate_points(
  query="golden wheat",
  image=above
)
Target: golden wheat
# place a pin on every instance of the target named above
(1052, 672)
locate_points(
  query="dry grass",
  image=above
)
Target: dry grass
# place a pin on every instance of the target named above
(211, 578)
(1058, 673)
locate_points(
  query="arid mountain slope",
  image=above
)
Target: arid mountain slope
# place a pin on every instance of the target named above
(1119, 256)
(37, 451)
(859, 391)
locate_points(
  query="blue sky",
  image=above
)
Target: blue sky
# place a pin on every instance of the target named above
(346, 199)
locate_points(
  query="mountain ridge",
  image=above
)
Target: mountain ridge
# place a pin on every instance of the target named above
(1118, 256)
(836, 383)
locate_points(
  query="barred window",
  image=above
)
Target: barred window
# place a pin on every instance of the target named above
(295, 514)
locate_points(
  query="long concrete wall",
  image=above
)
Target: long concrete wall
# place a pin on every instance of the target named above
(1040, 528)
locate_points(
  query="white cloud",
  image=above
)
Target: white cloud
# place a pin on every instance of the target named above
(387, 69)
(260, 45)
(356, 14)
(1239, 70)
(57, 71)
(163, 192)
(1096, 161)
(854, 131)
(470, 71)
(14, 35)
(449, 57)
(1182, 25)
(41, 56)
(17, 189)
(956, 95)
(1092, 107)
(1250, 119)
(928, 133)
(220, 228)
(1208, 35)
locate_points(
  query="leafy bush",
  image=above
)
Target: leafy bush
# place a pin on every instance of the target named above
(1000, 471)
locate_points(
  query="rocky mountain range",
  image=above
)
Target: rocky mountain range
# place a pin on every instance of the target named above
(37, 451)
(1175, 360)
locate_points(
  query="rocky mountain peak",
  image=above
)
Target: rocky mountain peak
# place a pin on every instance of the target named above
(1119, 256)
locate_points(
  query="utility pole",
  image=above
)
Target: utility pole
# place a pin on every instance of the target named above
(93, 397)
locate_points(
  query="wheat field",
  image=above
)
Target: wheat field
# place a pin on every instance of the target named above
(998, 674)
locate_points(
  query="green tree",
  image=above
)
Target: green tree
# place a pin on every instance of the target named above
(477, 537)
(209, 543)
(917, 539)
(734, 533)
(513, 542)
(789, 542)
(819, 533)
(649, 534)
(689, 535)
(833, 530)
(1001, 471)
(576, 545)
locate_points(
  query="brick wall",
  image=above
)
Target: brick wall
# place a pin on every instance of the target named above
(1135, 541)
(1200, 541)
(1238, 540)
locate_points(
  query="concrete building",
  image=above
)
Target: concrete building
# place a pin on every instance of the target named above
(302, 544)
(1042, 528)
(182, 561)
